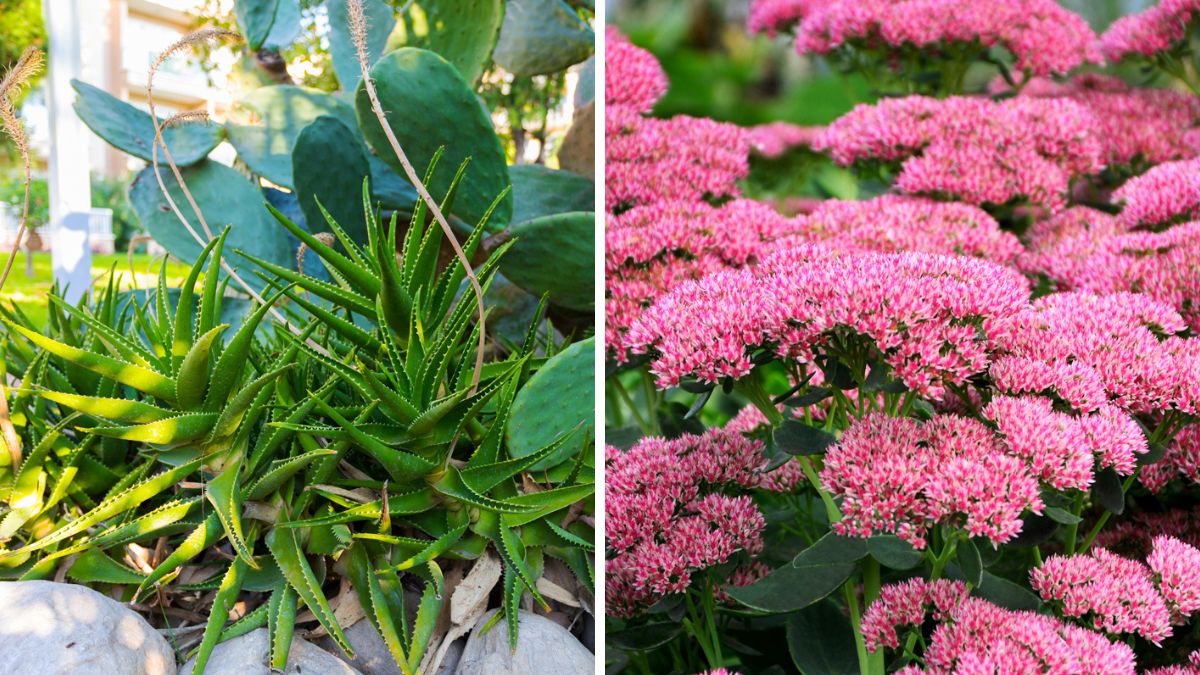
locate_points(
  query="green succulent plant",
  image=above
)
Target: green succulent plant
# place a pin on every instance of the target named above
(354, 441)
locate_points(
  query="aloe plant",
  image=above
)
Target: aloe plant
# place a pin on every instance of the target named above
(352, 441)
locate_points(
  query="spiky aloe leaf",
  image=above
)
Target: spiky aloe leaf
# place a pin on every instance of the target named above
(192, 381)
(231, 585)
(113, 409)
(285, 548)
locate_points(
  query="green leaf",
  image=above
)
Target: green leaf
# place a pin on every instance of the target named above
(430, 106)
(645, 637)
(255, 17)
(172, 431)
(1005, 593)
(553, 404)
(540, 191)
(541, 37)
(462, 31)
(280, 113)
(131, 130)
(94, 567)
(281, 624)
(225, 197)
(1061, 515)
(409, 503)
(894, 552)
(790, 588)
(1108, 492)
(227, 593)
(556, 255)
(797, 438)
(970, 562)
(193, 545)
(821, 640)
(285, 548)
(115, 409)
(329, 164)
(225, 493)
(832, 549)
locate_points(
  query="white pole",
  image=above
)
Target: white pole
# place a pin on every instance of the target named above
(70, 184)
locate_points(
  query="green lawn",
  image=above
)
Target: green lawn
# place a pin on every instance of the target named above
(29, 292)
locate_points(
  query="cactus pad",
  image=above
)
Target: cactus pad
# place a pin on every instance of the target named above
(555, 254)
(559, 399)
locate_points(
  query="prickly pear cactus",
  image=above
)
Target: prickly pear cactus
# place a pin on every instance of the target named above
(556, 255)
(558, 402)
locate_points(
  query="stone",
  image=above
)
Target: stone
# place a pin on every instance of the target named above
(453, 655)
(371, 655)
(543, 647)
(248, 654)
(53, 628)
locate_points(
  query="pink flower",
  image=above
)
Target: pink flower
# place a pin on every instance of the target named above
(1176, 567)
(777, 16)
(973, 149)
(892, 223)
(1181, 460)
(1117, 595)
(670, 515)
(1155, 30)
(898, 476)
(632, 76)
(907, 604)
(1164, 195)
(934, 318)
(1043, 37)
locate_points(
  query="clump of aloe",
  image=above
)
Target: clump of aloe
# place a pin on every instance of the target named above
(193, 458)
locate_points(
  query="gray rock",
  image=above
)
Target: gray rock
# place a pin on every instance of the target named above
(48, 628)
(453, 655)
(543, 647)
(371, 655)
(248, 654)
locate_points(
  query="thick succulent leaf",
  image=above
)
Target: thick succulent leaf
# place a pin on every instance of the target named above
(114, 409)
(193, 545)
(541, 191)
(541, 37)
(452, 485)
(131, 130)
(280, 471)
(417, 501)
(556, 255)
(192, 381)
(225, 493)
(285, 548)
(484, 477)
(281, 624)
(462, 31)
(95, 567)
(342, 52)
(555, 402)
(116, 504)
(329, 164)
(430, 106)
(430, 552)
(279, 114)
(539, 504)
(247, 401)
(363, 280)
(225, 197)
(403, 467)
(230, 368)
(172, 431)
(142, 379)
(255, 18)
(223, 601)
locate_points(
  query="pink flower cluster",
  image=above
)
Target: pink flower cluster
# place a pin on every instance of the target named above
(891, 223)
(934, 318)
(651, 249)
(777, 16)
(1155, 30)
(1134, 533)
(1043, 37)
(1181, 460)
(650, 160)
(1167, 194)
(774, 139)
(1121, 595)
(973, 636)
(898, 476)
(972, 149)
(1145, 125)
(668, 514)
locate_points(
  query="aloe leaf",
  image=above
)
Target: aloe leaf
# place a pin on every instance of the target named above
(430, 552)
(346, 329)
(142, 379)
(546, 502)
(281, 624)
(209, 309)
(106, 334)
(402, 466)
(224, 600)
(484, 477)
(362, 279)
(346, 299)
(146, 525)
(427, 615)
(225, 493)
(95, 567)
(232, 364)
(172, 431)
(193, 545)
(282, 470)
(513, 550)
(192, 381)
(417, 501)
(513, 588)
(112, 506)
(242, 404)
(185, 312)
(285, 548)
(394, 404)
(451, 485)
(114, 409)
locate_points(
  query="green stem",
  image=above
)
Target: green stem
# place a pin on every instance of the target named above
(871, 587)
(693, 625)
(831, 508)
(860, 646)
(651, 394)
(1073, 529)
(751, 387)
(1091, 535)
(623, 394)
